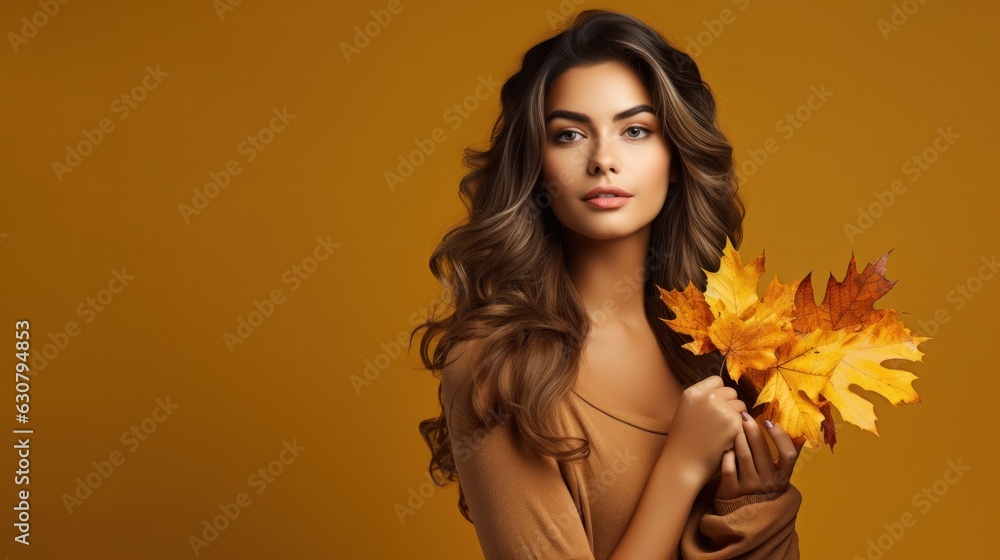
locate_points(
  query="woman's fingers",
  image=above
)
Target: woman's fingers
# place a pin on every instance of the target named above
(709, 383)
(763, 461)
(726, 393)
(729, 486)
(745, 463)
(788, 453)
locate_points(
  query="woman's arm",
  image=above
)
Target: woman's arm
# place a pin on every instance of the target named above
(754, 505)
(519, 502)
(752, 527)
(679, 513)
(706, 421)
(517, 498)
(663, 510)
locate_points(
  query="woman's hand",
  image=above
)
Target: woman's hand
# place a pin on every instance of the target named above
(705, 424)
(749, 468)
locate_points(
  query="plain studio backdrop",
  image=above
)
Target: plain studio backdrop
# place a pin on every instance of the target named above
(217, 217)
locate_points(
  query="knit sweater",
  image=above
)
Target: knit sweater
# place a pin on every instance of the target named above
(527, 505)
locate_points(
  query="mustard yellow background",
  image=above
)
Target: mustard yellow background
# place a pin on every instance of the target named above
(319, 392)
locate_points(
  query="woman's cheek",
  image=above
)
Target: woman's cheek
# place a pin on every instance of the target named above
(555, 175)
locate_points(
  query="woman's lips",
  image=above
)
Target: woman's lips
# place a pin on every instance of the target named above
(608, 202)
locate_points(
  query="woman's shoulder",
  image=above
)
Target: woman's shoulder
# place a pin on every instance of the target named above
(457, 383)
(458, 369)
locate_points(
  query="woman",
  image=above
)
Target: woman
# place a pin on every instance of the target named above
(574, 422)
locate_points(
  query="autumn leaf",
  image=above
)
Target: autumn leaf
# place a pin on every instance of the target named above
(733, 287)
(861, 366)
(731, 318)
(829, 426)
(797, 415)
(846, 304)
(801, 357)
(793, 385)
(692, 319)
(750, 343)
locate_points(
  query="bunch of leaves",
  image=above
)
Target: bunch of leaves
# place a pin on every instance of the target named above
(802, 358)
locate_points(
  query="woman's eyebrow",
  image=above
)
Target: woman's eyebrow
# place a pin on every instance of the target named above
(580, 117)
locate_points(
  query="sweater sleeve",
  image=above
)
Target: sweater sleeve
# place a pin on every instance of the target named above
(518, 499)
(751, 527)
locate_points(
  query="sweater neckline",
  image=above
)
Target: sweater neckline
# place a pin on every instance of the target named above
(631, 417)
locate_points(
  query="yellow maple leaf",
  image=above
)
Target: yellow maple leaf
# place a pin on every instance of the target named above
(797, 415)
(793, 385)
(802, 358)
(862, 366)
(750, 342)
(733, 287)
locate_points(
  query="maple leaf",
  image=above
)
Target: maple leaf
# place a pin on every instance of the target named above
(861, 366)
(750, 343)
(803, 369)
(849, 303)
(692, 317)
(801, 357)
(733, 287)
(731, 318)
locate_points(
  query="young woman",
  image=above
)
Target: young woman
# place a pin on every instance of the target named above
(574, 422)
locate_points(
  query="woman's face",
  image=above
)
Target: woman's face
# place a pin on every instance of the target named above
(601, 132)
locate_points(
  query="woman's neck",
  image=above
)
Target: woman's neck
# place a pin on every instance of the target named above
(610, 275)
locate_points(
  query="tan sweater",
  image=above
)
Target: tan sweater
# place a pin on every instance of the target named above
(525, 505)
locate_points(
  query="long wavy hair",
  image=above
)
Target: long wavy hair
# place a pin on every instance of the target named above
(503, 270)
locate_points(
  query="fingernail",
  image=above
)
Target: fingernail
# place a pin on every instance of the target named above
(768, 423)
(746, 417)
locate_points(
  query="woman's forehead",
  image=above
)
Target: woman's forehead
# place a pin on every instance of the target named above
(599, 90)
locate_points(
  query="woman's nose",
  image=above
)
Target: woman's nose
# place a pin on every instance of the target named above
(602, 159)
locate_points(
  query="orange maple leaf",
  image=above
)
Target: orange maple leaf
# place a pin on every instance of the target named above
(849, 303)
(693, 317)
(802, 358)
(750, 342)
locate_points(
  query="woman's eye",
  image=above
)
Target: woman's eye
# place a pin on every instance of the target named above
(642, 131)
(634, 132)
(561, 138)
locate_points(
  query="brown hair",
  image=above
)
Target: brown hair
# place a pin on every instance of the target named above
(504, 270)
